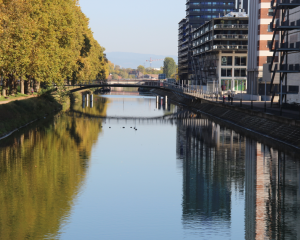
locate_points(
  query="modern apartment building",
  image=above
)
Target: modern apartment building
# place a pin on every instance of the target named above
(274, 52)
(183, 50)
(260, 36)
(197, 13)
(285, 47)
(219, 53)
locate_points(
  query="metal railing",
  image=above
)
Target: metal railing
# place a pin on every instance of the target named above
(245, 26)
(231, 36)
(233, 47)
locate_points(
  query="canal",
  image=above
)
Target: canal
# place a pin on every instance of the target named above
(127, 168)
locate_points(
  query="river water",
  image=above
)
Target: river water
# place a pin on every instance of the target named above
(88, 174)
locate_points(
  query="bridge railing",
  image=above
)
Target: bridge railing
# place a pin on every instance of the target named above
(191, 90)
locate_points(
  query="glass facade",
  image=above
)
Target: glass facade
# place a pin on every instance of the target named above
(240, 85)
(235, 85)
(200, 11)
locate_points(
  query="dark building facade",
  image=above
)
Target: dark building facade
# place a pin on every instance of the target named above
(197, 13)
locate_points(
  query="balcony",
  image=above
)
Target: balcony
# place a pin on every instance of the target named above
(183, 60)
(230, 47)
(183, 54)
(231, 36)
(231, 26)
(182, 48)
(281, 4)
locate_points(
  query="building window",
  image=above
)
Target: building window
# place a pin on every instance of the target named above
(269, 59)
(270, 12)
(226, 84)
(240, 61)
(226, 61)
(269, 28)
(294, 89)
(269, 44)
(240, 72)
(240, 85)
(226, 72)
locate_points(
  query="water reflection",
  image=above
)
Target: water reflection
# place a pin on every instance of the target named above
(217, 162)
(41, 173)
(232, 186)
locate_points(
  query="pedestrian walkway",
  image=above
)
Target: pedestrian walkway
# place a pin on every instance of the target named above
(260, 106)
(17, 98)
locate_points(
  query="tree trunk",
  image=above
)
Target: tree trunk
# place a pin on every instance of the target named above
(14, 85)
(4, 87)
(22, 85)
(34, 82)
(38, 84)
(27, 86)
(8, 91)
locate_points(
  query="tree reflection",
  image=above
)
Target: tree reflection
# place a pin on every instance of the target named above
(41, 173)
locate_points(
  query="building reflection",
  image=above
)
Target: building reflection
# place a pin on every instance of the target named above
(217, 161)
(212, 164)
(272, 194)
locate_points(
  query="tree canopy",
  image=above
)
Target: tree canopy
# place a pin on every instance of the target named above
(48, 41)
(169, 67)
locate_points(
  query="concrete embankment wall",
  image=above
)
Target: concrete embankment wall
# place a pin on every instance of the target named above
(277, 128)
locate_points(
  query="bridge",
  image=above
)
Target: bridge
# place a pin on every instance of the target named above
(183, 90)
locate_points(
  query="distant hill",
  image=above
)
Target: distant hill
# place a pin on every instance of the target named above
(132, 60)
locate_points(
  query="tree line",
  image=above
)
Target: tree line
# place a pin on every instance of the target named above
(129, 73)
(47, 42)
(170, 69)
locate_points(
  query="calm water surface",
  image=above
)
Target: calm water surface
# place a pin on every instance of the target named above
(80, 175)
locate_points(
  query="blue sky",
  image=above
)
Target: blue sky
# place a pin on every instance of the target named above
(137, 26)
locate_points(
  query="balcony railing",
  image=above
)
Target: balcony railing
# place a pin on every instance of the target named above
(245, 26)
(231, 47)
(183, 54)
(231, 36)
(182, 48)
(183, 60)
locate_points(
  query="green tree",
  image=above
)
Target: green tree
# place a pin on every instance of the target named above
(47, 41)
(114, 76)
(169, 67)
(141, 68)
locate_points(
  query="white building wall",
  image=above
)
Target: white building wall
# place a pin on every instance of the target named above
(233, 77)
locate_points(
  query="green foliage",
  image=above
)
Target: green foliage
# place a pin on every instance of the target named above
(49, 42)
(116, 71)
(169, 67)
(141, 68)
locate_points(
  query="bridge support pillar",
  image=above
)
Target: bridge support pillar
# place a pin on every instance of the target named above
(166, 100)
(83, 101)
(91, 101)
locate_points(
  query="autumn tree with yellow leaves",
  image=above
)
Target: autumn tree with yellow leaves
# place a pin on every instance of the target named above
(49, 42)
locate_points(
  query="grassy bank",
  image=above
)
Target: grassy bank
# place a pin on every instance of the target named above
(16, 114)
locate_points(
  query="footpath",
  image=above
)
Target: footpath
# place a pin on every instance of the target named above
(17, 98)
(260, 106)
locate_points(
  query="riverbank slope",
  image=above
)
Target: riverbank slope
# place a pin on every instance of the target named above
(19, 113)
(283, 130)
